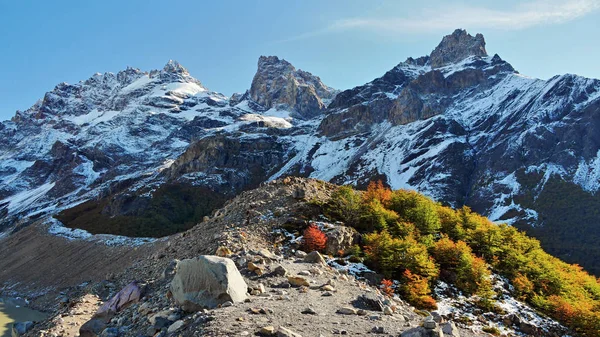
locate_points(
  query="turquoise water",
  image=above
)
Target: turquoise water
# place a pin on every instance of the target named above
(13, 311)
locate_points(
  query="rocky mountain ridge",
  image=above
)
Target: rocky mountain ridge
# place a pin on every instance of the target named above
(458, 125)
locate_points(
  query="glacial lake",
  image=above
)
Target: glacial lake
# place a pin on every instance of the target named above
(13, 311)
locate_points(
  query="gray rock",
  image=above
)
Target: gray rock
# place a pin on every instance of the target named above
(277, 84)
(20, 328)
(315, 257)
(450, 329)
(175, 326)
(206, 282)
(378, 329)
(280, 271)
(341, 238)
(92, 328)
(457, 47)
(369, 301)
(110, 332)
(347, 311)
(283, 332)
(429, 323)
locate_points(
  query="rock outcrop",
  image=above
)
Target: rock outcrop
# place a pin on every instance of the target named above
(457, 47)
(277, 84)
(206, 282)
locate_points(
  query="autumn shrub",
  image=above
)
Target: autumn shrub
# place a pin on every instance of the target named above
(387, 287)
(314, 239)
(411, 238)
(467, 271)
(415, 288)
(376, 191)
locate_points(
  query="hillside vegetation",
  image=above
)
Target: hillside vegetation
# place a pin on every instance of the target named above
(409, 237)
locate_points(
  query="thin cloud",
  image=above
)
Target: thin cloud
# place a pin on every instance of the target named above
(444, 19)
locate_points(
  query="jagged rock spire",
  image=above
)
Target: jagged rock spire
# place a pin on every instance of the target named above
(456, 47)
(279, 84)
(174, 67)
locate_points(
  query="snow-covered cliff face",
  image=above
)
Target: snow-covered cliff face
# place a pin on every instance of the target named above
(458, 125)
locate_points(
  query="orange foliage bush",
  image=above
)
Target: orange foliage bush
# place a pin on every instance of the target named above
(314, 239)
(416, 290)
(376, 191)
(386, 287)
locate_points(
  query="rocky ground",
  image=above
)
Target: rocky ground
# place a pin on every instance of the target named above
(290, 293)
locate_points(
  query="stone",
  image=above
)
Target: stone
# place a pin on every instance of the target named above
(267, 330)
(429, 323)
(170, 269)
(268, 255)
(206, 282)
(309, 311)
(92, 328)
(280, 271)
(327, 287)
(298, 281)
(414, 332)
(378, 329)
(340, 239)
(252, 266)
(369, 301)
(387, 310)
(347, 311)
(175, 326)
(304, 273)
(315, 257)
(110, 332)
(528, 328)
(283, 332)
(21, 328)
(300, 254)
(437, 317)
(129, 295)
(223, 252)
(450, 329)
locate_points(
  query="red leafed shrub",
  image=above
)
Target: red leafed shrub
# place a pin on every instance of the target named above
(314, 239)
(386, 287)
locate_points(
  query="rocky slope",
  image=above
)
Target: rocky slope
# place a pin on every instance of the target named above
(290, 293)
(136, 153)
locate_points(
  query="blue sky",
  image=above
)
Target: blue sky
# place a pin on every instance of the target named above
(345, 42)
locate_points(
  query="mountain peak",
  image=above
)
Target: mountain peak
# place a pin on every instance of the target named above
(278, 84)
(274, 63)
(175, 67)
(456, 47)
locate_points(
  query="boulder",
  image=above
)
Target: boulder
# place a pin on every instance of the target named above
(298, 281)
(369, 301)
(450, 329)
(21, 328)
(206, 282)
(341, 238)
(92, 328)
(422, 332)
(110, 332)
(315, 257)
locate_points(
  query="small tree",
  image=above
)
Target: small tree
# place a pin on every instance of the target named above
(314, 239)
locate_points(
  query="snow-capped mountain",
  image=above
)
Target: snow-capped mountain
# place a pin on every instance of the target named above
(459, 125)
